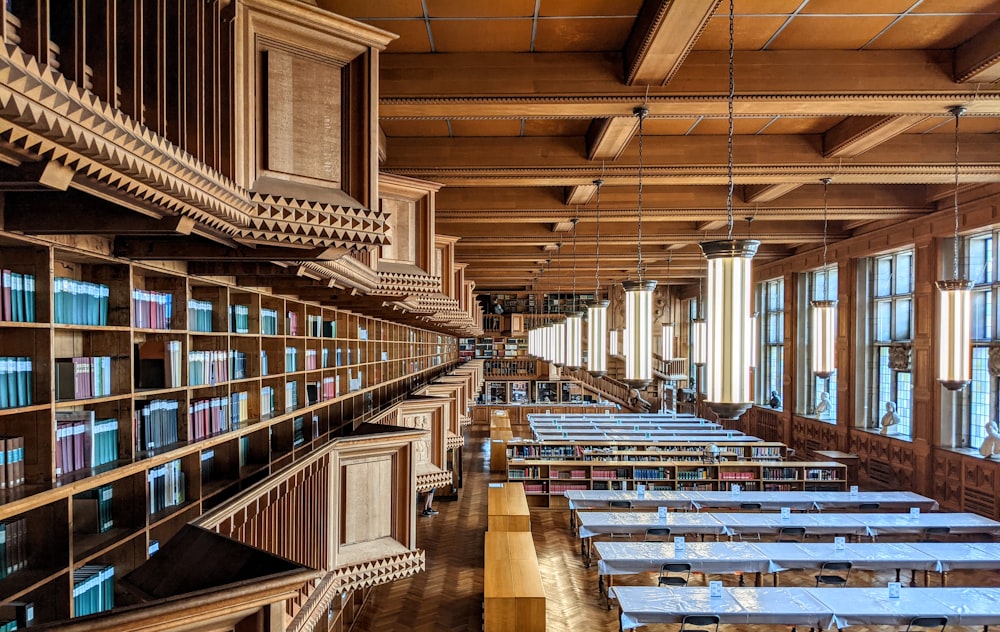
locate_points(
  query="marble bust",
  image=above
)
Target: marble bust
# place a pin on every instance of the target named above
(890, 418)
(823, 405)
(991, 445)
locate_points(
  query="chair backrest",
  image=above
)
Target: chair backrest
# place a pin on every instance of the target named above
(869, 506)
(620, 504)
(700, 619)
(791, 534)
(836, 566)
(750, 506)
(657, 532)
(675, 567)
(928, 622)
(932, 532)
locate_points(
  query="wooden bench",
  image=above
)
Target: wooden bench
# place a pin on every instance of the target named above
(507, 508)
(514, 600)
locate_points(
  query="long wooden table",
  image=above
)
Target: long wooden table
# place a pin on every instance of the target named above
(627, 558)
(507, 508)
(799, 501)
(820, 608)
(860, 525)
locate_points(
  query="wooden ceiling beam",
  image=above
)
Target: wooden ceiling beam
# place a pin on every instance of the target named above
(588, 85)
(662, 36)
(858, 134)
(701, 160)
(473, 203)
(580, 194)
(978, 59)
(46, 175)
(757, 193)
(607, 138)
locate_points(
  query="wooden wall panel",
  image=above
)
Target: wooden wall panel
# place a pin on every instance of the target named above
(303, 102)
(366, 515)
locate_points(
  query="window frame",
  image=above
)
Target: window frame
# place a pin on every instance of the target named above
(889, 384)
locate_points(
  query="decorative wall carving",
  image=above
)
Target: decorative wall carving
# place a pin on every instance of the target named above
(900, 356)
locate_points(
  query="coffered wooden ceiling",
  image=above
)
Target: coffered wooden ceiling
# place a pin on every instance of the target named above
(517, 106)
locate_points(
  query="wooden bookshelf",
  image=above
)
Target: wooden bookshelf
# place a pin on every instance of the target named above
(546, 480)
(347, 367)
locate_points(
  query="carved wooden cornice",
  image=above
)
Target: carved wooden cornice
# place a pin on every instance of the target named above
(395, 283)
(455, 441)
(288, 220)
(348, 578)
(345, 272)
(44, 115)
(432, 480)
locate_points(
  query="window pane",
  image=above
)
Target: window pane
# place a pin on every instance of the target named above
(979, 259)
(883, 321)
(979, 396)
(904, 401)
(904, 273)
(981, 312)
(883, 276)
(904, 309)
(883, 379)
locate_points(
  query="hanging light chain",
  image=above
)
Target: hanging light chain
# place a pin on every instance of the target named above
(576, 220)
(826, 220)
(597, 252)
(957, 111)
(732, 96)
(642, 112)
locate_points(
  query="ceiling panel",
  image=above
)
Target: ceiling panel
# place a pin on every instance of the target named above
(934, 32)
(720, 126)
(480, 8)
(667, 126)
(968, 125)
(491, 127)
(802, 125)
(556, 127)
(412, 35)
(958, 6)
(858, 7)
(751, 33)
(826, 33)
(586, 34)
(402, 127)
(457, 36)
(548, 8)
(358, 9)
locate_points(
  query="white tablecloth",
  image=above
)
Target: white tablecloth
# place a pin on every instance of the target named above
(961, 555)
(769, 500)
(815, 607)
(905, 523)
(626, 558)
(603, 522)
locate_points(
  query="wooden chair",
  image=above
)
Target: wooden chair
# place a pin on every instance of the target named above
(674, 574)
(869, 506)
(696, 623)
(927, 623)
(826, 576)
(657, 534)
(934, 534)
(619, 505)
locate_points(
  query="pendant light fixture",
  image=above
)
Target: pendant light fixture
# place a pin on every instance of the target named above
(639, 302)
(955, 308)
(699, 330)
(597, 309)
(574, 319)
(667, 328)
(824, 313)
(727, 380)
(558, 340)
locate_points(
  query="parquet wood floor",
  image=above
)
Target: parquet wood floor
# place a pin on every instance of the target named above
(449, 595)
